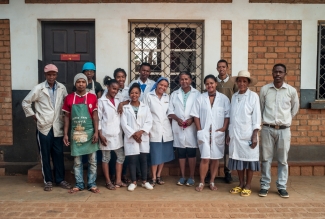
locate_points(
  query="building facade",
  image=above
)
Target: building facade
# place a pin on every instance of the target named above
(173, 36)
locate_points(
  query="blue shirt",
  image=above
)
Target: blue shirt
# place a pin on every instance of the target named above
(52, 92)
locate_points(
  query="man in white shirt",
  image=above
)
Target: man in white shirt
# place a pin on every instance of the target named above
(143, 80)
(279, 104)
(48, 99)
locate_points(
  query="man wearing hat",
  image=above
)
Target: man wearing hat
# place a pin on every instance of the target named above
(279, 104)
(48, 99)
(80, 109)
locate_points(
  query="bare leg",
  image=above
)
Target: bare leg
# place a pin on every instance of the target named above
(214, 165)
(204, 166)
(160, 168)
(154, 171)
(249, 177)
(182, 166)
(119, 167)
(106, 172)
(192, 164)
(241, 174)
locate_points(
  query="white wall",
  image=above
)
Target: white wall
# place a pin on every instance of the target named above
(111, 22)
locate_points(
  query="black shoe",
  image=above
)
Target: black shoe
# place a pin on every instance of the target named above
(228, 178)
(263, 192)
(283, 193)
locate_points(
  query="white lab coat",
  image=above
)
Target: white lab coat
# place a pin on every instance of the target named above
(123, 94)
(131, 124)
(110, 123)
(245, 117)
(161, 128)
(183, 138)
(47, 116)
(149, 84)
(211, 116)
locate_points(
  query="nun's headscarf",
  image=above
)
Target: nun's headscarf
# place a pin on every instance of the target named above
(157, 82)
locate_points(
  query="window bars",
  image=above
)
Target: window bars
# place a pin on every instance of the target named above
(321, 62)
(169, 48)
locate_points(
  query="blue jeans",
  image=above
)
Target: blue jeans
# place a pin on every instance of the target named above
(92, 171)
(275, 142)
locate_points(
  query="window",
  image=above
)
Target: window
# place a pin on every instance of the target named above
(169, 48)
(321, 63)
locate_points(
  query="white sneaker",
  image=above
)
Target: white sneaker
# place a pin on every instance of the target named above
(131, 187)
(147, 186)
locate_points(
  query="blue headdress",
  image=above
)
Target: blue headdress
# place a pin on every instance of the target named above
(157, 82)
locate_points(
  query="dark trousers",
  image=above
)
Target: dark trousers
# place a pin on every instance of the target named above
(112, 165)
(133, 160)
(51, 147)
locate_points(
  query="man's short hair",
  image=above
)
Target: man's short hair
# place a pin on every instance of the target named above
(281, 65)
(145, 64)
(222, 60)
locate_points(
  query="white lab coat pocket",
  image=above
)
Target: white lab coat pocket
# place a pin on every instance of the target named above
(245, 132)
(220, 138)
(200, 137)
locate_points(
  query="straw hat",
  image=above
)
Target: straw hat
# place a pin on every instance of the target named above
(245, 74)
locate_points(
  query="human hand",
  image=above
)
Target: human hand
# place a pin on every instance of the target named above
(103, 140)
(95, 138)
(66, 140)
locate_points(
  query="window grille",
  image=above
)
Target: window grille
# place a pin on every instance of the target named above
(321, 62)
(169, 48)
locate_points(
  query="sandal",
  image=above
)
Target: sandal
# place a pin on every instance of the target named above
(121, 184)
(153, 182)
(110, 186)
(246, 192)
(94, 190)
(126, 180)
(160, 181)
(236, 190)
(200, 187)
(65, 185)
(48, 186)
(213, 187)
(74, 190)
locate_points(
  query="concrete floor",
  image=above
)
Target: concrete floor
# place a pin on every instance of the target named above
(304, 191)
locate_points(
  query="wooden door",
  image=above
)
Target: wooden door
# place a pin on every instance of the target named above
(67, 38)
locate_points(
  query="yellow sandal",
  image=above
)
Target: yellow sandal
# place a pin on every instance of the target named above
(236, 190)
(246, 192)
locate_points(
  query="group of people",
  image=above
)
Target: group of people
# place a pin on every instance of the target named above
(142, 125)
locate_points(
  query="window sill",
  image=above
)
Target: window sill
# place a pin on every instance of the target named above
(318, 104)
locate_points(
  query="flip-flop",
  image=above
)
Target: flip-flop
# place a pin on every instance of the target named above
(246, 192)
(94, 190)
(236, 190)
(200, 187)
(213, 187)
(110, 186)
(121, 184)
(74, 190)
(48, 187)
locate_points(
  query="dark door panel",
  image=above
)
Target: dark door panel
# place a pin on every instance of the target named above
(67, 38)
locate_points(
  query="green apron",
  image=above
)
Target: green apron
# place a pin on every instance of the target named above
(82, 130)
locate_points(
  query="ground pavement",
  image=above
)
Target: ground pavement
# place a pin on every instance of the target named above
(19, 199)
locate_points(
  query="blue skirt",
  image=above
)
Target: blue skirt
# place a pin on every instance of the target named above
(161, 152)
(241, 165)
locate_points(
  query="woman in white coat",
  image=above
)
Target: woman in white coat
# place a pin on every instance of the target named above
(110, 132)
(245, 120)
(161, 136)
(184, 130)
(211, 118)
(136, 122)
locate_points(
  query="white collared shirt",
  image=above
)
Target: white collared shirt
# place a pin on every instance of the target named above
(225, 80)
(278, 106)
